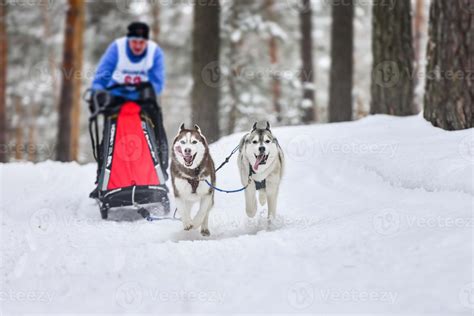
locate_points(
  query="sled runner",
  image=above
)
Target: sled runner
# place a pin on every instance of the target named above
(132, 154)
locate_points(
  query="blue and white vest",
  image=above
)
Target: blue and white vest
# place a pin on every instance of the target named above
(128, 72)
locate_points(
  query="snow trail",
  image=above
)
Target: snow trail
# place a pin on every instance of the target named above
(374, 216)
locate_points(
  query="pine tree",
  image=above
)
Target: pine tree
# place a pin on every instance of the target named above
(307, 74)
(392, 86)
(3, 80)
(449, 97)
(206, 67)
(70, 79)
(342, 50)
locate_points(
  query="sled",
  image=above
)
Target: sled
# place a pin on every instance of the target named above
(129, 173)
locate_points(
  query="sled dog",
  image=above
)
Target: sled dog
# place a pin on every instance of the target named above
(191, 165)
(261, 164)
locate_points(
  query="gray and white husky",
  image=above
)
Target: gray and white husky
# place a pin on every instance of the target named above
(261, 164)
(191, 165)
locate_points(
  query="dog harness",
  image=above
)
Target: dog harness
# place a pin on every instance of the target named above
(258, 184)
(194, 182)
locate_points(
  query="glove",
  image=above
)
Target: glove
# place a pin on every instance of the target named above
(101, 98)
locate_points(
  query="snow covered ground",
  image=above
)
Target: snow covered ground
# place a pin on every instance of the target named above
(375, 216)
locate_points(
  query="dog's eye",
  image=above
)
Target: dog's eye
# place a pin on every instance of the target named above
(255, 142)
(267, 142)
(182, 142)
(194, 142)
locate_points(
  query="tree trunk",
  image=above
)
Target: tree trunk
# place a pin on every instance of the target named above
(19, 128)
(392, 86)
(32, 146)
(76, 110)
(69, 72)
(155, 11)
(3, 80)
(235, 69)
(342, 51)
(273, 50)
(419, 30)
(449, 93)
(51, 55)
(307, 75)
(206, 69)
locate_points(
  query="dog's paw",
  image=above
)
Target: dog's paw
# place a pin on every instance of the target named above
(205, 232)
(251, 212)
(188, 226)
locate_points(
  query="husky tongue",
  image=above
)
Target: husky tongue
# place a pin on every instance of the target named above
(188, 158)
(258, 161)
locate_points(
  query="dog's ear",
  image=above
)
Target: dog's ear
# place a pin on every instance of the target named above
(197, 128)
(268, 126)
(254, 127)
(181, 127)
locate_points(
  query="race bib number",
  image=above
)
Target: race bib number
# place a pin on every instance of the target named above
(133, 80)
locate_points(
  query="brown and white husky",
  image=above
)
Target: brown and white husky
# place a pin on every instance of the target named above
(191, 166)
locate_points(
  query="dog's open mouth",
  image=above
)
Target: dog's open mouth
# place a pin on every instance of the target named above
(260, 160)
(189, 159)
